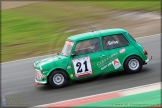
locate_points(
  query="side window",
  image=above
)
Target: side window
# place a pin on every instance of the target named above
(87, 46)
(114, 41)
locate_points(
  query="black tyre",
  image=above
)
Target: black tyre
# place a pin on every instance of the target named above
(58, 79)
(133, 64)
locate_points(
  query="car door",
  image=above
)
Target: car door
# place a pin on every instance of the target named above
(87, 55)
(114, 46)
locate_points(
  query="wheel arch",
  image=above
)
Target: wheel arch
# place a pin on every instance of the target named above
(130, 56)
(56, 69)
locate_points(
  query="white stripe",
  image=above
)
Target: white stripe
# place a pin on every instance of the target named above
(148, 36)
(142, 89)
(53, 54)
(122, 91)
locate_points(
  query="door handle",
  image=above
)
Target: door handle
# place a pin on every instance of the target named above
(102, 55)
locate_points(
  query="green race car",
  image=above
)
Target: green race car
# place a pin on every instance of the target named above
(92, 54)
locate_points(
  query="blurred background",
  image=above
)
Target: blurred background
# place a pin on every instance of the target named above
(41, 27)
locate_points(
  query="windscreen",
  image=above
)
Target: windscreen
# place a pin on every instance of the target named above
(67, 48)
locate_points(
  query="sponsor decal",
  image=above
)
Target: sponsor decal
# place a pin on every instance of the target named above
(106, 66)
(112, 42)
(50, 59)
(41, 63)
(122, 51)
(107, 59)
(46, 61)
(116, 63)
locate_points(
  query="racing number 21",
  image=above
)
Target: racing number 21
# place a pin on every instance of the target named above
(79, 66)
(82, 66)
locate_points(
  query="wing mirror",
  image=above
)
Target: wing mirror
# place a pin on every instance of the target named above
(74, 54)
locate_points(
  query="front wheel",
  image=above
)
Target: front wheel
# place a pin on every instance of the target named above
(133, 64)
(58, 79)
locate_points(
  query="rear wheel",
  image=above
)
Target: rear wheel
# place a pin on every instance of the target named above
(133, 64)
(58, 79)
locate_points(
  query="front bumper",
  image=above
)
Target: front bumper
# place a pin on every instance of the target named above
(146, 61)
(40, 78)
(40, 82)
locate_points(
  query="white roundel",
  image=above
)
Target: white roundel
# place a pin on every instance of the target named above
(122, 50)
(82, 66)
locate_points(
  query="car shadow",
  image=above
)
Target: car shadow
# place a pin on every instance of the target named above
(91, 80)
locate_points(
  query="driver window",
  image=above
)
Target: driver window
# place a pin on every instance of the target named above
(87, 46)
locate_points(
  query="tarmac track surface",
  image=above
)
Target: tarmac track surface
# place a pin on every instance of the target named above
(18, 78)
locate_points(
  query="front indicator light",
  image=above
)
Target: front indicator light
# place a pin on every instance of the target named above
(44, 76)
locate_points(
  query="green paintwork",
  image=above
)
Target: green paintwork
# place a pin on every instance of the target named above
(65, 62)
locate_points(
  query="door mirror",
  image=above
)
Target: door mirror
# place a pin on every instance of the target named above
(74, 54)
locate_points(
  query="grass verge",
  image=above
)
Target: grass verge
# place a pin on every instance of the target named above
(39, 29)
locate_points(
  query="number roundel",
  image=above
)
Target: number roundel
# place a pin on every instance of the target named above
(82, 66)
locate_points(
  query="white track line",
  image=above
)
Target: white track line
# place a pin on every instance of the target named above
(54, 54)
(141, 89)
(123, 90)
(148, 36)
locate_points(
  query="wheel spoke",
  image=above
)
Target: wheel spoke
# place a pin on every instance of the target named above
(133, 64)
(58, 79)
